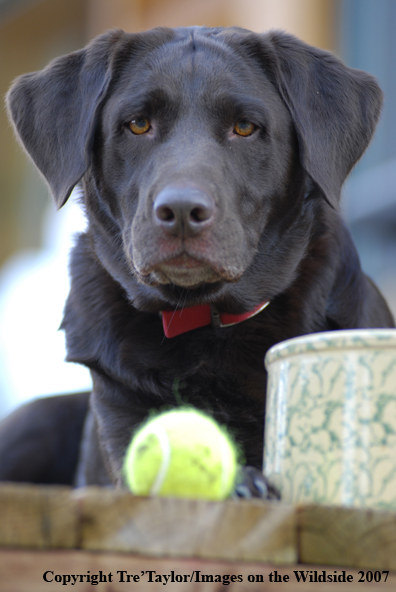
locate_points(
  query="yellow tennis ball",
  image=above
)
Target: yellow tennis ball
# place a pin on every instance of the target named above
(181, 453)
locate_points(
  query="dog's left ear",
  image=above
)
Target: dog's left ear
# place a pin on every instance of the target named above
(54, 110)
(335, 109)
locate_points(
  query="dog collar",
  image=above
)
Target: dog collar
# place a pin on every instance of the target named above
(176, 322)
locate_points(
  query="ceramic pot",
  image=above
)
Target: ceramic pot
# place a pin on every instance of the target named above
(330, 433)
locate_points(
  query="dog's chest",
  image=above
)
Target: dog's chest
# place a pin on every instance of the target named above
(212, 368)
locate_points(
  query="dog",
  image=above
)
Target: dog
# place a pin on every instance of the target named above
(211, 163)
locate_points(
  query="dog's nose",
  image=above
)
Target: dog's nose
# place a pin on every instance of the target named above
(183, 211)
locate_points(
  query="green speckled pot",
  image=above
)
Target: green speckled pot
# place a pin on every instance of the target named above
(331, 418)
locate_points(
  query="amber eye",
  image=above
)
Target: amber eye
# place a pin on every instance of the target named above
(139, 125)
(244, 128)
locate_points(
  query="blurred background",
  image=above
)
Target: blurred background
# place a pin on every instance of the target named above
(35, 240)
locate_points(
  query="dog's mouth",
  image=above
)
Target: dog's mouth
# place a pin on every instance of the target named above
(185, 271)
(184, 261)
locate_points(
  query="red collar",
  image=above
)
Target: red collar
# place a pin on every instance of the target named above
(176, 322)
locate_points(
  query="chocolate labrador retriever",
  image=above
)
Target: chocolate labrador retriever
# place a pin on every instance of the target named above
(211, 163)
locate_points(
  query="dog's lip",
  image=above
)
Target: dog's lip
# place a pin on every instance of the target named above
(183, 267)
(183, 261)
(183, 270)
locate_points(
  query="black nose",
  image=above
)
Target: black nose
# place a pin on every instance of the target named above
(183, 211)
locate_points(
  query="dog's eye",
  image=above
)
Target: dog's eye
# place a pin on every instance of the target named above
(139, 125)
(244, 128)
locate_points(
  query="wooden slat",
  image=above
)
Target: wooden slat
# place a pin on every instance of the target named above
(350, 537)
(38, 517)
(231, 530)
(103, 519)
(22, 571)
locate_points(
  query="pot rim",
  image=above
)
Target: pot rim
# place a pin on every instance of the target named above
(345, 339)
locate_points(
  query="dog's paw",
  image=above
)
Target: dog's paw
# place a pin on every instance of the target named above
(251, 483)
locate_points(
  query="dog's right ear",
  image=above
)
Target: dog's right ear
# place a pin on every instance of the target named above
(54, 111)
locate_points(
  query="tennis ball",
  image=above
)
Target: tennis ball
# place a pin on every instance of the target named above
(181, 453)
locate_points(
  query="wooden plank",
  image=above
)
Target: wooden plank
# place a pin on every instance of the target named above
(110, 520)
(230, 530)
(23, 571)
(350, 537)
(39, 517)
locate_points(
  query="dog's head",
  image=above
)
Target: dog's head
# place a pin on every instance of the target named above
(205, 154)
